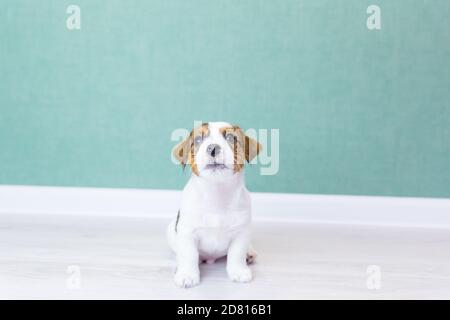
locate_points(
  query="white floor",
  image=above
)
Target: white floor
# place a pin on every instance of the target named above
(122, 257)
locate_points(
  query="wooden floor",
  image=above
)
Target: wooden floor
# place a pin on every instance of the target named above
(128, 258)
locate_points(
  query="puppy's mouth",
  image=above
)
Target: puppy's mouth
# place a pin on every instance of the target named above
(215, 166)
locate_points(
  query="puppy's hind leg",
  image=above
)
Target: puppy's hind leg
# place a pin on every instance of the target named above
(251, 255)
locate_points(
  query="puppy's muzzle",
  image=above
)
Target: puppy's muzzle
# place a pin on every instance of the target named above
(213, 150)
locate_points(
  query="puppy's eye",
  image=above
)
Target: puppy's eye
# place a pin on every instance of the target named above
(231, 138)
(198, 140)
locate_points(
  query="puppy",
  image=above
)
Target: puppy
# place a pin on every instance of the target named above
(215, 212)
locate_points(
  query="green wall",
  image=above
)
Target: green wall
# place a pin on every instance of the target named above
(359, 111)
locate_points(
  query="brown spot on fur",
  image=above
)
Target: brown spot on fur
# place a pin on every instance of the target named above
(252, 148)
(244, 148)
(185, 150)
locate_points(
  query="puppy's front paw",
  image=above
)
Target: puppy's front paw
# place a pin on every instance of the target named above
(240, 274)
(185, 279)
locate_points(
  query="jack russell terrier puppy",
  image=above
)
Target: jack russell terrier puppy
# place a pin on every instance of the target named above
(215, 212)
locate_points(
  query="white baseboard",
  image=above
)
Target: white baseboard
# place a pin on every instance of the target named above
(367, 210)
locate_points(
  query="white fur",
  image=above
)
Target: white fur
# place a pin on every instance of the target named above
(215, 215)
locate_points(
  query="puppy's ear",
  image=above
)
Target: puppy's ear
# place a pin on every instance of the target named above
(181, 151)
(252, 148)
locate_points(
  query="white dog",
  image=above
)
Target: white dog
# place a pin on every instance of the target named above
(215, 212)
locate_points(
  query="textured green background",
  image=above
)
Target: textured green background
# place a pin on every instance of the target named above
(359, 111)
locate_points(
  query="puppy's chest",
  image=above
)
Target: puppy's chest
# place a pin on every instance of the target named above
(215, 231)
(223, 220)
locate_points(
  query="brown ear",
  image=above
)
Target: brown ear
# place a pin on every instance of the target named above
(181, 151)
(252, 148)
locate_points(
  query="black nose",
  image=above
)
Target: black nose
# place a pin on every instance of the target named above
(213, 150)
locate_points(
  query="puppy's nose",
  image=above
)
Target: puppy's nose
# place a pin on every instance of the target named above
(213, 150)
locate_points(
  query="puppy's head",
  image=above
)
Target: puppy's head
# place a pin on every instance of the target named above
(216, 150)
